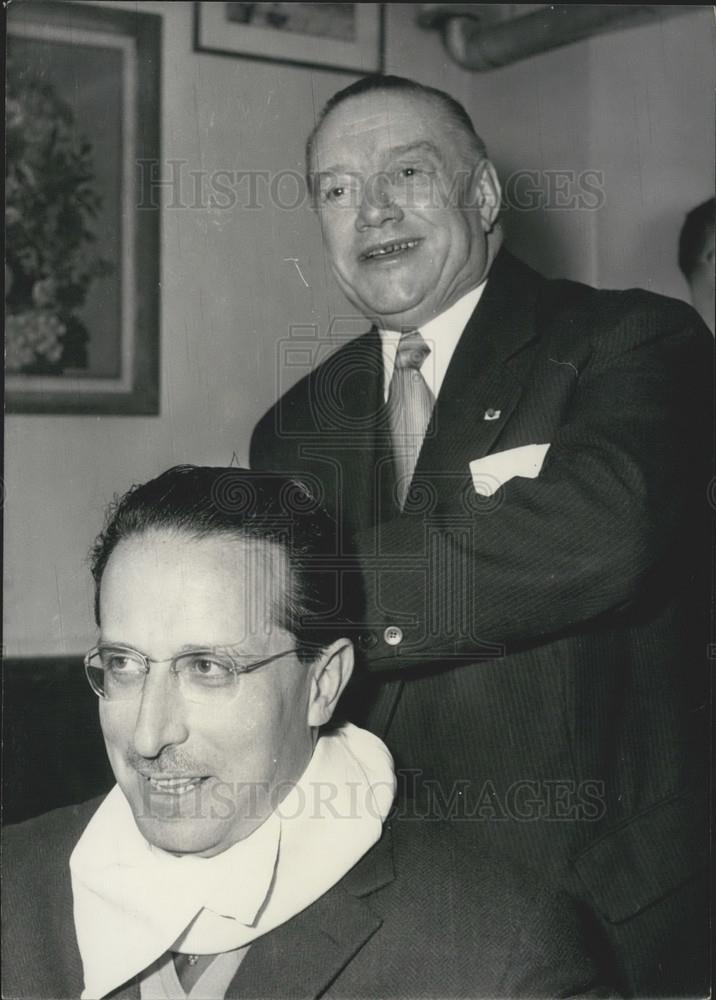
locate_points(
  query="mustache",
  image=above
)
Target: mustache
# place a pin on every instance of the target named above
(169, 761)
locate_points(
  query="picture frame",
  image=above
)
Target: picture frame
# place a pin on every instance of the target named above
(82, 242)
(341, 37)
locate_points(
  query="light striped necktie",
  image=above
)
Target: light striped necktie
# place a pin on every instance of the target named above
(410, 404)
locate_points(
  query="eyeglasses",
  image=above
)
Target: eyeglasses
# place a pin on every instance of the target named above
(204, 676)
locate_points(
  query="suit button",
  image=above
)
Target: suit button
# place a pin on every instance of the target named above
(367, 640)
(393, 635)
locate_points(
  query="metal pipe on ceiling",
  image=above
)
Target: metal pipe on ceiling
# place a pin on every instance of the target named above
(477, 47)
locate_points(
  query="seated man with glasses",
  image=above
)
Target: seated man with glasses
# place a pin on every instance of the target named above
(245, 850)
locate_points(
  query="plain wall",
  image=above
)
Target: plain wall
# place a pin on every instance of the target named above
(636, 106)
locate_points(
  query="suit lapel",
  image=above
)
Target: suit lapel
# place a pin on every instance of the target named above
(303, 956)
(480, 390)
(129, 991)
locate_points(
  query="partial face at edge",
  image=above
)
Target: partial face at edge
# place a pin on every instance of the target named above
(163, 591)
(702, 284)
(405, 218)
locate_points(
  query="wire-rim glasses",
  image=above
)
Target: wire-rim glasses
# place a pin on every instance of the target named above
(204, 675)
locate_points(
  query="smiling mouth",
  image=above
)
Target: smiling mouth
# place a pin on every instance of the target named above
(389, 250)
(173, 786)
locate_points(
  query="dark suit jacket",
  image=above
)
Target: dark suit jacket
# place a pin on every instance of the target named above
(418, 916)
(549, 680)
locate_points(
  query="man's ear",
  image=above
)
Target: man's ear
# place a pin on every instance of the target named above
(488, 194)
(330, 673)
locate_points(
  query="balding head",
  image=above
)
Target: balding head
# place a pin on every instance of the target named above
(453, 113)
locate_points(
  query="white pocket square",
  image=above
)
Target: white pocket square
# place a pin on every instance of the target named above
(493, 471)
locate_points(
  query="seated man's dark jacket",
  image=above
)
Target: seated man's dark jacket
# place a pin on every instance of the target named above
(418, 916)
(549, 673)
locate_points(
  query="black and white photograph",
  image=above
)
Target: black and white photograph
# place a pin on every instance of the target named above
(358, 496)
(338, 36)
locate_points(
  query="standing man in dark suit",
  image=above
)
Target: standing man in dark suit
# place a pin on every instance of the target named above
(522, 466)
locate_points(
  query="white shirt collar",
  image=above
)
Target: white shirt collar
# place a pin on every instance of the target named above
(441, 334)
(133, 902)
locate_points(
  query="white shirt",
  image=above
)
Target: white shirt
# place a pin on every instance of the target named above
(440, 334)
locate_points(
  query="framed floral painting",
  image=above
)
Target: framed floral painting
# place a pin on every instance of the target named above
(82, 252)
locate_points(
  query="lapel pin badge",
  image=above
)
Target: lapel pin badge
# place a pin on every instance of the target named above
(492, 414)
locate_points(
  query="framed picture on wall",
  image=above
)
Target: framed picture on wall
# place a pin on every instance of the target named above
(82, 237)
(347, 37)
